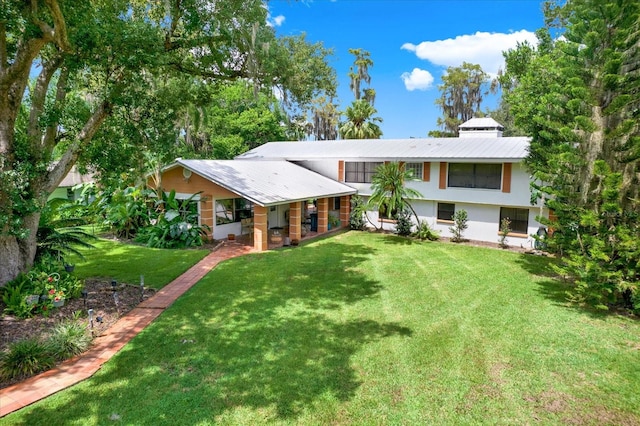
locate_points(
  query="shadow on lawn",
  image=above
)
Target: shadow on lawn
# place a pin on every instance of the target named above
(272, 345)
(553, 286)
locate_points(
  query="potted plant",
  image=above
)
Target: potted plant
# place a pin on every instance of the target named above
(334, 222)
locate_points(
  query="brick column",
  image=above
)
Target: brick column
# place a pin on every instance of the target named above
(260, 232)
(295, 221)
(206, 213)
(345, 210)
(323, 215)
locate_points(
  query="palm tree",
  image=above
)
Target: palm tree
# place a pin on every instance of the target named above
(360, 122)
(389, 191)
(59, 233)
(362, 63)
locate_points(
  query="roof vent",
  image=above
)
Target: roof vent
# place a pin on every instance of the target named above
(485, 127)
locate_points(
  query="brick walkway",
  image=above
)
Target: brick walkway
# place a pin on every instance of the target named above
(105, 346)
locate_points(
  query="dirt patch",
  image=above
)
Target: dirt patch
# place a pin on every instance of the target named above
(574, 411)
(108, 306)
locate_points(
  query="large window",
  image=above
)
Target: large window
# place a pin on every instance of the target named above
(415, 169)
(360, 171)
(469, 175)
(446, 211)
(519, 219)
(233, 210)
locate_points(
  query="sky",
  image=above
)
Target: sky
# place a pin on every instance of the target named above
(411, 43)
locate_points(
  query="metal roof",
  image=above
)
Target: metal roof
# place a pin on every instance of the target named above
(266, 182)
(485, 149)
(74, 177)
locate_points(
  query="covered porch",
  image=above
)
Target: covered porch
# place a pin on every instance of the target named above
(263, 203)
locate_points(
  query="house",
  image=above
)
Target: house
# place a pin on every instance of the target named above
(480, 171)
(71, 186)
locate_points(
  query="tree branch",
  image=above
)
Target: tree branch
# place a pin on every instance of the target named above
(38, 99)
(55, 175)
(58, 33)
(229, 76)
(49, 140)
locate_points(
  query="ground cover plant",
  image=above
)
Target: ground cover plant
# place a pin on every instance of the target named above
(364, 328)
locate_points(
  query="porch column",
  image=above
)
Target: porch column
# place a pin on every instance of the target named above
(295, 217)
(345, 210)
(260, 232)
(323, 215)
(206, 213)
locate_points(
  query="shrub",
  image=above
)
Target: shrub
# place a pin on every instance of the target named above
(58, 233)
(403, 223)
(25, 358)
(125, 210)
(356, 217)
(68, 339)
(425, 232)
(176, 225)
(459, 225)
(505, 228)
(14, 295)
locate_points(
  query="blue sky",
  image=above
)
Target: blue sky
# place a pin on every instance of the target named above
(411, 43)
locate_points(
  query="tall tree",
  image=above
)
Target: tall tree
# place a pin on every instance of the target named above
(461, 94)
(361, 123)
(579, 98)
(96, 59)
(359, 73)
(326, 118)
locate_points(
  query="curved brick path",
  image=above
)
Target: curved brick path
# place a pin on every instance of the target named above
(119, 334)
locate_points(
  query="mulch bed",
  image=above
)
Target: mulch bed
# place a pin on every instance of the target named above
(100, 298)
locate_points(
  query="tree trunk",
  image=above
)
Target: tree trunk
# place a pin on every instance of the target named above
(16, 255)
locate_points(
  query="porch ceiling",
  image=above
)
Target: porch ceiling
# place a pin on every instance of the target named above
(266, 183)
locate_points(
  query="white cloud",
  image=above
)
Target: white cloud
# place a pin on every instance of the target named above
(417, 79)
(480, 48)
(275, 21)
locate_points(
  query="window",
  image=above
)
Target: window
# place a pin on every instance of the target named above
(415, 169)
(360, 172)
(233, 210)
(519, 219)
(336, 203)
(446, 211)
(385, 214)
(469, 175)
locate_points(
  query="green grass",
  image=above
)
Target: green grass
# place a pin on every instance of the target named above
(367, 329)
(126, 262)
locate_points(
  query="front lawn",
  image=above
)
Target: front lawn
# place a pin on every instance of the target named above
(367, 329)
(126, 262)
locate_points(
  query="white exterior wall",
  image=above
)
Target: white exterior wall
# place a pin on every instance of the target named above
(482, 205)
(328, 168)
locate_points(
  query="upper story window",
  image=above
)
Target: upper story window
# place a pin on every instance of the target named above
(470, 175)
(415, 169)
(360, 171)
